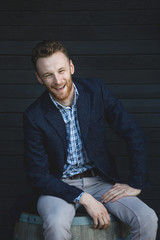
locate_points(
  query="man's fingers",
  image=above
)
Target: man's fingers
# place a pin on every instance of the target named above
(106, 223)
(102, 222)
(109, 196)
(111, 192)
(95, 223)
(118, 191)
(118, 197)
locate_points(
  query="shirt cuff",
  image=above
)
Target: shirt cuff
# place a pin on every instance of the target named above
(76, 200)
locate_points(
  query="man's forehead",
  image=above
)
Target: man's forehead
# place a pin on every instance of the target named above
(55, 61)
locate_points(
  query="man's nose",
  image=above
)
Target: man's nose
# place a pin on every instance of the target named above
(57, 79)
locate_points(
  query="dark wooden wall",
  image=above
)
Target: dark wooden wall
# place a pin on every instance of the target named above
(115, 40)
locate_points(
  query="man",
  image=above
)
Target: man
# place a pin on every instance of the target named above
(66, 154)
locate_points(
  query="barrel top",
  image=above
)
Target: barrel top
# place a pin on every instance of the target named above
(77, 220)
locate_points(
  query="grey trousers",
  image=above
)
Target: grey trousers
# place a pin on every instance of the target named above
(57, 214)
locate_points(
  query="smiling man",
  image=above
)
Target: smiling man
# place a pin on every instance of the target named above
(66, 155)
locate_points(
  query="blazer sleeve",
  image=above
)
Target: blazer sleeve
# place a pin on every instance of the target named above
(37, 164)
(126, 128)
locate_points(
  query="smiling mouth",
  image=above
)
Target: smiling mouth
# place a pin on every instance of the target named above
(60, 88)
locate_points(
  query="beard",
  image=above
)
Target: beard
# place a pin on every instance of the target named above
(62, 92)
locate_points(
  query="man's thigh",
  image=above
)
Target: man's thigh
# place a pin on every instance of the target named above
(53, 207)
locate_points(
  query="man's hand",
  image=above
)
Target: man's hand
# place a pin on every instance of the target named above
(118, 191)
(96, 210)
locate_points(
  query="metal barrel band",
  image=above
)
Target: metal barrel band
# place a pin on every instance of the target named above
(28, 218)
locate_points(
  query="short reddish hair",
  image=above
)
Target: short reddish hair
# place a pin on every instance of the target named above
(47, 48)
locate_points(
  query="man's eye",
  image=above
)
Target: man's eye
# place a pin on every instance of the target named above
(61, 71)
(48, 76)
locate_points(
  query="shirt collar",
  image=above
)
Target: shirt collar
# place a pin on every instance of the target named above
(60, 106)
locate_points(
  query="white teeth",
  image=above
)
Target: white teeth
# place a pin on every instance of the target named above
(60, 87)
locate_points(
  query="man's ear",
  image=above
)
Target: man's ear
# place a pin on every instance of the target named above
(38, 78)
(72, 68)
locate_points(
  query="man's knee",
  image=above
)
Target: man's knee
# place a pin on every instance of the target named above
(56, 227)
(58, 220)
(149, 220)
(145, 224)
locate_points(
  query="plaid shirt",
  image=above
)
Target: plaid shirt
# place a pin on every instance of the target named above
(77, 160)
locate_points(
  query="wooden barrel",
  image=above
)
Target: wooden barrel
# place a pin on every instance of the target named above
(29, 227)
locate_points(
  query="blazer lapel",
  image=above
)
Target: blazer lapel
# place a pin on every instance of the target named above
(83, 108)
(53, 116)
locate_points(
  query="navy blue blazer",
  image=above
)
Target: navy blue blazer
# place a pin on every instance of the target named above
(46, 147)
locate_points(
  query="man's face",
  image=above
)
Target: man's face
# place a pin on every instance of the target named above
(55, 73)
